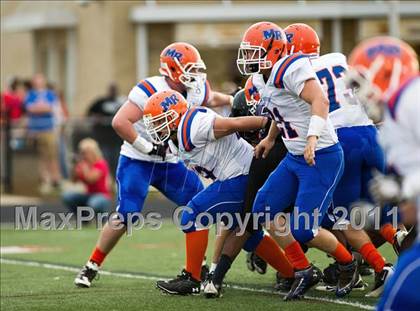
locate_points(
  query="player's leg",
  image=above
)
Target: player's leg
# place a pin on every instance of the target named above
(133, 182)
(272, 200)
(316, 188)
(220, 197)
(218, 247)
(259, 171)
(361, 154)
(176, 182)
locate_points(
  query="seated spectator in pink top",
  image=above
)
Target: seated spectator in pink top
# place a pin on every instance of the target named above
(12, 100)
(92, 170)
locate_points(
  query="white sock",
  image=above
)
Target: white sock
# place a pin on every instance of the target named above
(213, 267)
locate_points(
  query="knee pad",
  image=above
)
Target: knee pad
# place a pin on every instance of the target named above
(253, 241)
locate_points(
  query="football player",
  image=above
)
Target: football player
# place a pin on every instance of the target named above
(209, 144)
(245, 103)
(357, 136)
(385, 73)
(143, 163)
(308, 175)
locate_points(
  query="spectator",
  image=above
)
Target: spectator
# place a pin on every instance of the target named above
(93, 171)
(61, 116)
(40, 105)
(12, 101)
(102, 111)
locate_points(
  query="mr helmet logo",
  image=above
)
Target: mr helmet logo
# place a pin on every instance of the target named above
(168, 101)
(271, 33)
(386, 49)
(289, 37)
(173, 53)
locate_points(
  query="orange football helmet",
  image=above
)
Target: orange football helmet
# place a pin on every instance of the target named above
(301, 38)
(263, 44)
(162, 113)
(378, 67)
(181, 62)
(252, 96)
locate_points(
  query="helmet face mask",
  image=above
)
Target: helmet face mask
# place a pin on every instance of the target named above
(160, 127)
(368, 94)
(251, 59)
(192, 74)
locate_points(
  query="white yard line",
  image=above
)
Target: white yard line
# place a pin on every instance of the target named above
(155, 278)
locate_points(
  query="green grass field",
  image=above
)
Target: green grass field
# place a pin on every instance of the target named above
(44, 280)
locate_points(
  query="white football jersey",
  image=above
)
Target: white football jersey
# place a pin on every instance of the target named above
(280, 100)
(218, 159)
(345, 109)
(139, 95)
(400, 138)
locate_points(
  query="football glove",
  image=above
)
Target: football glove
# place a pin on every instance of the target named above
(385, 188)
(159, 150)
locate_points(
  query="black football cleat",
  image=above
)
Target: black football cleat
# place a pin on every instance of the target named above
(359, 286)
(330, 274)
(250, 261)
(304, 280)
(365, 269)
(348, 276)
(380, 280)
(283, 284)
(86, 275)
(183, 284)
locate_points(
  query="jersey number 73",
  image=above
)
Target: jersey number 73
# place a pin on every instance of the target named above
(327, 75)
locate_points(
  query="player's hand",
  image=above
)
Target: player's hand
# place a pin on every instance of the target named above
(309, 153)
(264, 147)
(159, 150)
(384, 188)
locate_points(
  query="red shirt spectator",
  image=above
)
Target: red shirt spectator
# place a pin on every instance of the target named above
(102, 183)
(12, 100)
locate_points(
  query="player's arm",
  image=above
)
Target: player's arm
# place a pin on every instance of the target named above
(124, 119)
(226, 126)
(265, 145)
(123, 122)
(313, 94)
(218, 99)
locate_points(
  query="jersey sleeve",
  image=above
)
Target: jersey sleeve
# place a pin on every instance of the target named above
(293, 72)
(141, 92)
(197, 128)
